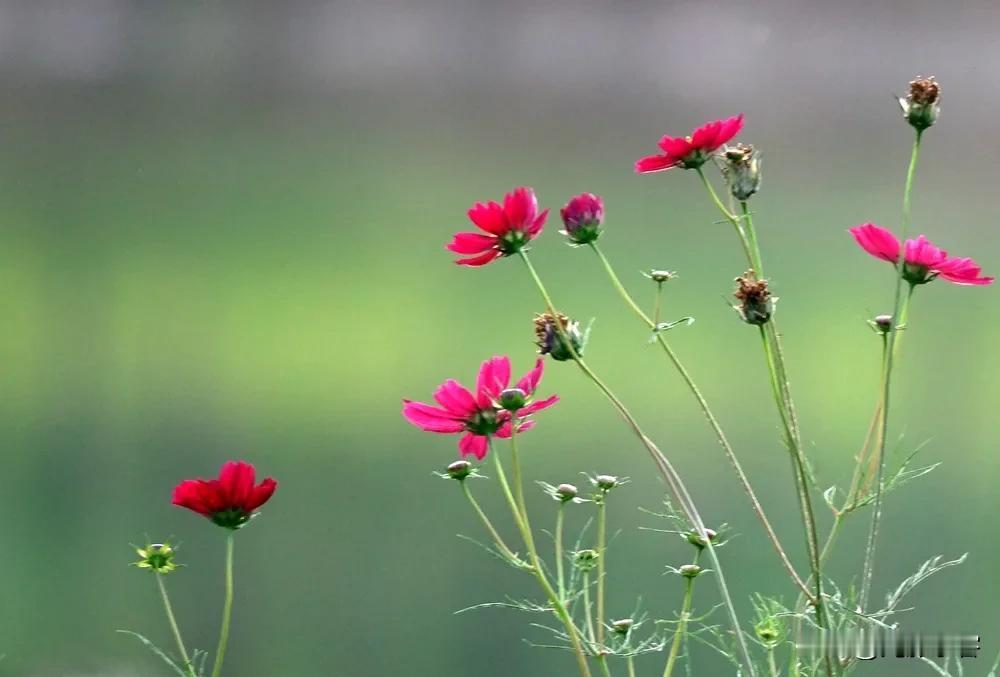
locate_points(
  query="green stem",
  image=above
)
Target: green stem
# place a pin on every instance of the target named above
(666, 469)
(227, 609)
(899, 310)
(560, 566)
(770, 662)
(188, 667)
(588, 609)
(631, 666)
(602, 523)
(728, 215)
(507, 552)
(520, 516)
(675, 646)
(710, 417)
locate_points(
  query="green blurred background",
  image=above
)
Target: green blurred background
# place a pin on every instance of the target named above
(222, 237)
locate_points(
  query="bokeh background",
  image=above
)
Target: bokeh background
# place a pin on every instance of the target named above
(222, 237)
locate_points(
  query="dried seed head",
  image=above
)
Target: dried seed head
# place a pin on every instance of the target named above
(741, 167)
(755, 303)
(550, 341)
(922, 105)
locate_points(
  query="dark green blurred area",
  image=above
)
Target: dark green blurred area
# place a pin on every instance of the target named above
(214, 267)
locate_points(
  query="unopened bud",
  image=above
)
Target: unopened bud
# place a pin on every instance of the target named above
(660, 276)
(459, 470)
(883, 323)
(606, 482)
(922, 104)
(513, 399)
(696, 540)
(585, 560)
(622, 626)
(550, 339)
(566, 492)
(755, 302)
(582, 216)
(157, 557)
(741, 167)
(689, 570)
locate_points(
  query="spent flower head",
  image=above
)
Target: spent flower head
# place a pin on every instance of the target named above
(922, 105)
(550, 341)
(741, 167)
(157, 557)
(755, 301)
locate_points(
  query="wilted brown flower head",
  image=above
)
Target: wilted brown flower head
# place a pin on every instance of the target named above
(922, 105)
(755, 303)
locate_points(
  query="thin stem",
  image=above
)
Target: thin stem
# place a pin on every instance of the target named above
(712, 421)
(588, 608)
(602, 525)
(536, 566)
(508, 553)
(770, 662)
(227, 609)
(631, 666)
(727, 214)
(188, 667)
(675, 646)
(899, 310)
(560, 566)
(666, 469)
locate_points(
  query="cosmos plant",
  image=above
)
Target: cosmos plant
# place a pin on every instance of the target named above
(608, 636)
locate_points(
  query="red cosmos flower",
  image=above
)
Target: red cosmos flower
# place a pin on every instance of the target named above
(481, 415)
(582, 216)
(922, 260)
(229, 501)
(508, 228)
(691, 152)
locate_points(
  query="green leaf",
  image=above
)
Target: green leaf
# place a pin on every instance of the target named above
(156, 650)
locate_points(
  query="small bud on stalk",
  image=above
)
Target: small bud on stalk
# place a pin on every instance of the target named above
(157, 557)
(755, 302)
(922, 105)
(459, 470)
(660, 276)
(566, 492)
(606, 482)
(882, 324)
(549, 340)
(513, 399)
(582, 216)
(585, 560)
(622, 626)
(741, 167)
(697, 541)
(689, 571)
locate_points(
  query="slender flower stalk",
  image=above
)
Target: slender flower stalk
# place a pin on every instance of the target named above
(675, 646)
(602, 527)
(666, 469)
(712, 420)
(783, 400)
(227, 608)
(560, 565)
(516, 501)
(188, 666)
(490, 529)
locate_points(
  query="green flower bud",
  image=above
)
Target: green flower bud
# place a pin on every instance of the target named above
(566, 492)
(157, 557)
(513, 399)
(694, 539)
(689, 571)
(585, 560)
(660, 276)
(606, 482)
(622, 626)
(459, 470)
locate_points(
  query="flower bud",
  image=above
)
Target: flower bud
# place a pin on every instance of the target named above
(622, 626)
(459, 470)
(582, 216)
(697, 541)
(755, 303)
(922, 106)
(585, 560)
(689, 570)
(741, 167)
(550, 341)
(882, 323)
(606, 482)
(513, 399)
(157, 557)
(660, 276)
(566, 492)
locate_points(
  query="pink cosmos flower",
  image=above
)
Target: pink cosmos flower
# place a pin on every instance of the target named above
(691, 152)
(582, 216)
(508, 228)
(923, 261)
(481, 415)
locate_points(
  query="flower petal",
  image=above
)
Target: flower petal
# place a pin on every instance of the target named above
(878, 242)
(260, 494)
(236, 479)
(529, 381)
(471, 243)
(654, 163)
(455, 399)
(521, 208)
(431, 419)
(490, 217)
(538, 406)
(480, 260)
(475, 445)
(494, 376)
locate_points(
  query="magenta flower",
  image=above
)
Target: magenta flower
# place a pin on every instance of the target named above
(481, 415)
(508, 228)
(922, 260)
(691, 152)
